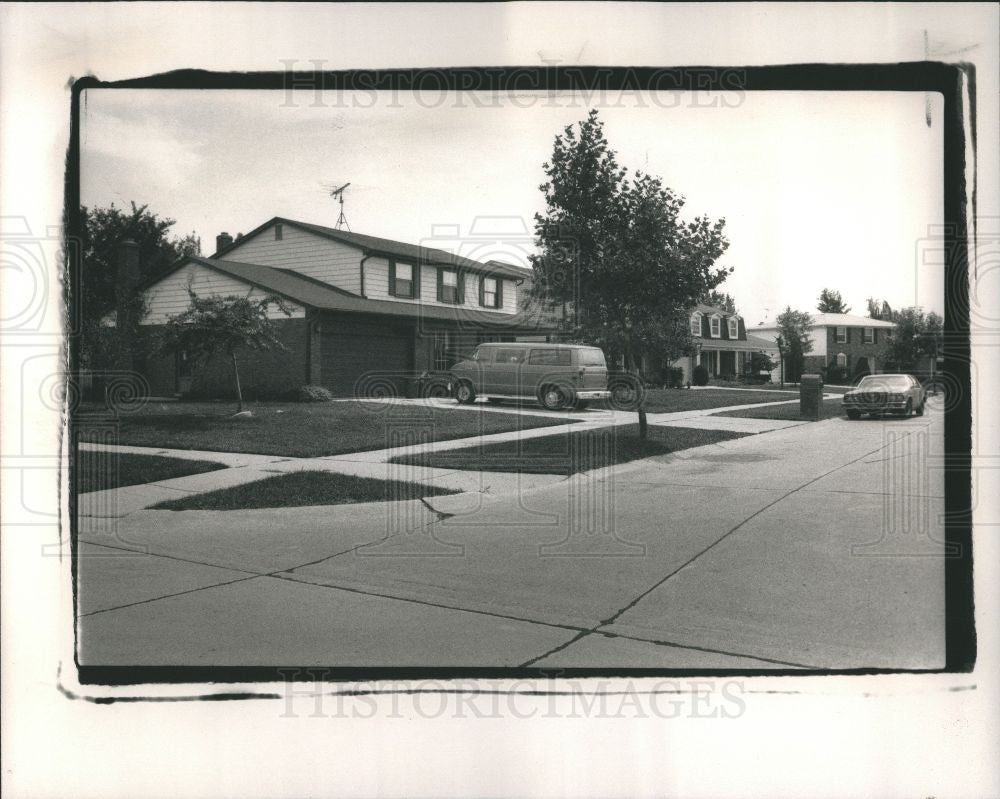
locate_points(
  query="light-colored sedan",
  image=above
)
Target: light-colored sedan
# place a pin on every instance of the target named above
(881, 394)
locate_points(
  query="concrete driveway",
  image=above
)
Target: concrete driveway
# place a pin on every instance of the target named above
(815, 546)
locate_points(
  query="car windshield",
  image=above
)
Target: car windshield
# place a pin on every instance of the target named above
(891, 382)
(591, 357)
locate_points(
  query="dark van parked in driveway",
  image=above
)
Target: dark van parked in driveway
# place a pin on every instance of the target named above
(556, 375)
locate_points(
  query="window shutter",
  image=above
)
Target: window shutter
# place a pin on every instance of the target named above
(392, 278)
(499, 293)
(416, 269)
(440, 285)
(460, 280)
(482, 290)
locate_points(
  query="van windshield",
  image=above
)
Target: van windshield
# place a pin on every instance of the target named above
(591, 356)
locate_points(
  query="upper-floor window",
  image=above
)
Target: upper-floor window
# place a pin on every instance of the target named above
(841, 335)
(869, 335)
(449, 286)
(402, 280)
(278, 232)
(715, 326)
(734, 327)
(490, 292)
(696, 324)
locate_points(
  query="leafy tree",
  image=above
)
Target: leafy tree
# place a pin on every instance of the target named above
(761, 362)
(615, 253)
(719, 300)
(794, 329)
(225, 325)
(830, 301)
(103, 229)
(916, 335)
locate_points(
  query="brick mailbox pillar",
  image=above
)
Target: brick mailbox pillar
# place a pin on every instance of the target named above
(810, 396)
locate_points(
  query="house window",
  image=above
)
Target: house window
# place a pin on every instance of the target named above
(841, 335)
(278, 232)
(715, 326)
(491, 292)
(841, 359)
(402, 282)
(696, 325)
(869, 335)
(734, 327)
(449, 286)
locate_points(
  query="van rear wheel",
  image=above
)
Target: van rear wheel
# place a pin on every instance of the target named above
(553, 398)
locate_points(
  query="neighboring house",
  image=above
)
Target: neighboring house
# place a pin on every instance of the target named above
(843, 344)
(719, 342)
(363, 309)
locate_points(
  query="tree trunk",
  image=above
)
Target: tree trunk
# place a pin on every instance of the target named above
(633, 367)
(236, 377)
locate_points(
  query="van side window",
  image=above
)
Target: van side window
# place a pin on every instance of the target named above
(550, 358)
(509, 356)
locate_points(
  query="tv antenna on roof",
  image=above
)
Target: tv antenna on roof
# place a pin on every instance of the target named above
(339, 194)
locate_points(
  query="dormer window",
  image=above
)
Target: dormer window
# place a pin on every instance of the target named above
(734, 327)
(715, 326)
(696, 324)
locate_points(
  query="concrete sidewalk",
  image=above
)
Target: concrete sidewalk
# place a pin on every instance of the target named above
(813, 546)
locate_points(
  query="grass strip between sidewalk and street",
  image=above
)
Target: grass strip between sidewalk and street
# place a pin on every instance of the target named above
(830, 409)
(99, 471)
(297, 489)
(569, 453)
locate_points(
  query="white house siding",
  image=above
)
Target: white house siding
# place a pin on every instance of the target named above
(817, 335)
(170, 296)
(307, 253)
(377, 287)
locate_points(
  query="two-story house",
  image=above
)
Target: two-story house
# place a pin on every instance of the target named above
(362, 308)
(720, 343)
(844, 345)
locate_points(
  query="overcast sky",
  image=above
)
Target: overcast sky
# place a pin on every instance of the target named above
(818, 189)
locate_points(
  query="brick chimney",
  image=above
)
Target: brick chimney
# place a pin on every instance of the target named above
(222, 241)
(127, 268)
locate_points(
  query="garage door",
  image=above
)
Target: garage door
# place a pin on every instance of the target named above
(358, 361)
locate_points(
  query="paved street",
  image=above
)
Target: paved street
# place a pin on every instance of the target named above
(813, 546)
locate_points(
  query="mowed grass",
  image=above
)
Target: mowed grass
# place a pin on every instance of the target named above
(569, 453)
(830, 409)
(99, 471)
(308, 430)
(298, 489)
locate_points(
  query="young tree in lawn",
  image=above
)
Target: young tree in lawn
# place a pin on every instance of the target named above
(794, 329)
(223, 325)
(830, 301)
(615, 253)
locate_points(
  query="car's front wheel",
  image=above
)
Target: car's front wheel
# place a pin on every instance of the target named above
(920, 410)
(465, 393)
(553, 398)
(854, 414)
(908, 410)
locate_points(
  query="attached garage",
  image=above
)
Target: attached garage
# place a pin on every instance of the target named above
(359, 358)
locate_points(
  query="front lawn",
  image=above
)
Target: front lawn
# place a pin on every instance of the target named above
(296, 489)
(568, 453)
(671, 400)
(98, 471)
(830, 409)
(308, 430)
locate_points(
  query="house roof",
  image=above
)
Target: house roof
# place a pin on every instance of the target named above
(760, 343)
(376, 245)
(838, 320)
(713, 309)
(325, 297)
